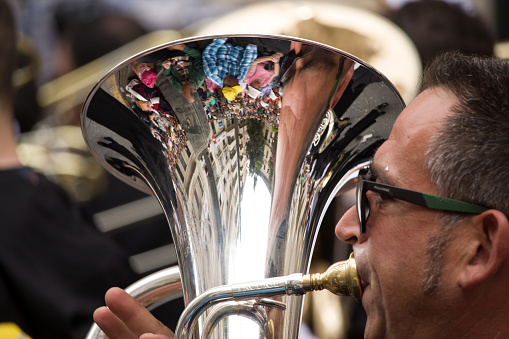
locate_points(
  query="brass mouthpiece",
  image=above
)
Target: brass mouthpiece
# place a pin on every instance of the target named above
(341, 278)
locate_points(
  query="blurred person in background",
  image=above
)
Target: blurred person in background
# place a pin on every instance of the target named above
(87, 31)
(64, 36)
(437, 26)
(54, 264)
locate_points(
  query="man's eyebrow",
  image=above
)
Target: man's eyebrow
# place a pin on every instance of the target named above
(380, 174)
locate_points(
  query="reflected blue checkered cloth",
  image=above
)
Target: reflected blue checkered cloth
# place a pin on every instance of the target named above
(221, 59)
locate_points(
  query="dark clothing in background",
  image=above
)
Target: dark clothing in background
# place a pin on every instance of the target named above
(55, 266)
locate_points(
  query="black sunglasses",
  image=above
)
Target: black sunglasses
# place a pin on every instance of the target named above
(423, 199)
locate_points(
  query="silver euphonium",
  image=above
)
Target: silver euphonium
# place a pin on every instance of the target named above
(245, 184)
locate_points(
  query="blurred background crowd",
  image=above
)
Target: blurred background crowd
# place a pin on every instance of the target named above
(66, 46)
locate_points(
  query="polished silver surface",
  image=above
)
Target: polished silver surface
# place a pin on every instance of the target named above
(249, 309)
(341, 279)
(279, 286)
(244, 187)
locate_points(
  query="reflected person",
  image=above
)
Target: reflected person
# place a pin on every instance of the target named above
(226, 65)
(185, 72)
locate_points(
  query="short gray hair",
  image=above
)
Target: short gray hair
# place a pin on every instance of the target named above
(468, 158)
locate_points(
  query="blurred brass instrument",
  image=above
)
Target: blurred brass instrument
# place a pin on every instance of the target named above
(27, 70)
(245, 187)
(55, 147)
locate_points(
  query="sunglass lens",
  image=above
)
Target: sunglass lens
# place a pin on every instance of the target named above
(363, 207)
(366, 210)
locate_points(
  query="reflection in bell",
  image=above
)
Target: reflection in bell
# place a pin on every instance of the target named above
(244, 162)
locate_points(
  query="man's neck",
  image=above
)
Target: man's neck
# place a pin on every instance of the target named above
(483, 315)
(8, 155)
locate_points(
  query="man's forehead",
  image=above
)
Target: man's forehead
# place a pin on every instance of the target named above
(404, 151)
(426, 111)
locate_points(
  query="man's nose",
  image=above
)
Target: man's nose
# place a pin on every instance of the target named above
(348, 229)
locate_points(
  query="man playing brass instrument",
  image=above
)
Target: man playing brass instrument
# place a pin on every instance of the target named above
(430, 267)
(428, 272)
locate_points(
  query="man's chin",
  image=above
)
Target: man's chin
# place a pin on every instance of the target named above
(373, 329)
(366, 297)
(374, 326)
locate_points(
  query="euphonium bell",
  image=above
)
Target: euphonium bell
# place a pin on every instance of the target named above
(244, 140)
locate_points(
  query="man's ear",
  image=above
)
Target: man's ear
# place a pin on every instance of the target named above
(487, 249)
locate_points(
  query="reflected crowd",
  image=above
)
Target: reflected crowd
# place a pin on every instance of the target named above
(235, 78)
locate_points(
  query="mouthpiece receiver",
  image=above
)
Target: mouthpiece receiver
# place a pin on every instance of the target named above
(341, 278)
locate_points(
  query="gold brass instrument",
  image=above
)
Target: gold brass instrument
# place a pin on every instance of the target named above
(244, 186)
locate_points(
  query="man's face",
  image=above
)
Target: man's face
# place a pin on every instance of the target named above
(230, 81)
(392, 256)
(143, 105)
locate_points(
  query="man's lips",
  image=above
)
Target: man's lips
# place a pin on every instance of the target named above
(361, 274)
(364, 284)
